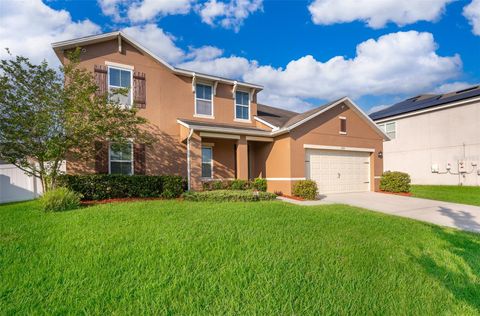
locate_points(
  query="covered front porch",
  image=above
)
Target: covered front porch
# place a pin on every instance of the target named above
(223, 154)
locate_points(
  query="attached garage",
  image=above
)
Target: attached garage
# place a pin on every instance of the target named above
(337, 171)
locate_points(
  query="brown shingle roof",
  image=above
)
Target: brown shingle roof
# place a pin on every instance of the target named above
(283, 118)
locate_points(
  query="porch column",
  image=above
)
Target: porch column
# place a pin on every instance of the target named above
(242, 158)
(196, 162)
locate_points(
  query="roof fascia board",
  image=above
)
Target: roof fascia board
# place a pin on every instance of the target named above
(107, 36)
(316, 114)
(432, 109)
(202, 128)
(189, 73)
(350, 104)
(366, 118)
(273, 127)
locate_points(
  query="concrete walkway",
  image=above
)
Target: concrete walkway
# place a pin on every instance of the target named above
(461, 216)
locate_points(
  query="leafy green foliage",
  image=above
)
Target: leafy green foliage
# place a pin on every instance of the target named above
(46, 116)
(60, 199)
(306, 189)
(256, 184)
(208, 258)
(239, 184)
(395, 181)
(100, 187)
(228, 196)
(259, 184)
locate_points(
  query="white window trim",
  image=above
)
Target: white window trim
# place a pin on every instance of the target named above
(249, 120)
(211, 101)
(130, 69)
(385, 126)
(211, 162)
(345, 119)
(110, 160)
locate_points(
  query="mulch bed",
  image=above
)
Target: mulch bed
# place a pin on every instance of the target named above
(397, 193)
(293, 197)
(120, 200)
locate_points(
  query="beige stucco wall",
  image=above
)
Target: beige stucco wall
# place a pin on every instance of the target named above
(285, 158)
(169, 97)
(439, 137)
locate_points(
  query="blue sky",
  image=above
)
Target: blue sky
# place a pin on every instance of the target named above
(303, 52)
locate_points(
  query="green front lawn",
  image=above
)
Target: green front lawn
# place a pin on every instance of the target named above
(170, 257)
(450, 193)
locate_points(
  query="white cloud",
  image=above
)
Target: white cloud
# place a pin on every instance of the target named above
(29, 27)
(156, 40)
(112, 8)
(451, 87)
(472, 13)
(377, 108)
(397, 63)
(376, 13)
(204, 53)
(230, 14)
(149, 9)
(230, 67)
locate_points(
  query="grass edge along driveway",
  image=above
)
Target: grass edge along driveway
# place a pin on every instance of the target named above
(171, 257)
(448, 193)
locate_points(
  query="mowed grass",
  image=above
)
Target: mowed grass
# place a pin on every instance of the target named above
(171, 257)
(449, 193)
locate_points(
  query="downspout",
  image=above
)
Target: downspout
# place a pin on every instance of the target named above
(188, 158)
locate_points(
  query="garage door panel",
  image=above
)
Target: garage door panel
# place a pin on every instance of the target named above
(339, 171)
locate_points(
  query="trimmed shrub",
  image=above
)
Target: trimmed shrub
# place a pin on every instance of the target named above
(215, 185)
(228, 196)
(259, 184)
(60, 199)
(173, 186)
(239, 185)
(306, 189)
(395, 181)
(105, 186)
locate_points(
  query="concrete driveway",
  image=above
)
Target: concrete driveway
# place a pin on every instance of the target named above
(461, 216)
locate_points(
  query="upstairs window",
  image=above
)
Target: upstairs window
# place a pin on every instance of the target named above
(343, 125)
(203, 100)
(121, 158)
(389, 128)
(207, 162)
(242, 105)
(119, 78)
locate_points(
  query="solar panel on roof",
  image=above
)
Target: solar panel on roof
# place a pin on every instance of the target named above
(411, 105)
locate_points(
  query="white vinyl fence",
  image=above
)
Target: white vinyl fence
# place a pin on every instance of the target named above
(15, 185)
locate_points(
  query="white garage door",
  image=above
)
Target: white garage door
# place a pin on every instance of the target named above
(338, 171)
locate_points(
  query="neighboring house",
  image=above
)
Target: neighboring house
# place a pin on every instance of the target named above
(434, 138)
(210, 127)
(15, 185)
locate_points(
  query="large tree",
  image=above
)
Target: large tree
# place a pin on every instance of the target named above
(47, 115)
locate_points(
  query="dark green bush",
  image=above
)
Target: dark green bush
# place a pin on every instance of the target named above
(238, 184)
(259, 184)
(228, 196)
(60, 199)
(306, 189)
(395, 181)
(104, 186)
(256, 184)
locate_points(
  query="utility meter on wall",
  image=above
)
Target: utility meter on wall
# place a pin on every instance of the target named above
(462, 166)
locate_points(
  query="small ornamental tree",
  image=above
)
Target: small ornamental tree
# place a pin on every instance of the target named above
(46, 115)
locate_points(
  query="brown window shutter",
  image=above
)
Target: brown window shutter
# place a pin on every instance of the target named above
(101, 79)
(139, 158)
(139, 90)
(101, 157)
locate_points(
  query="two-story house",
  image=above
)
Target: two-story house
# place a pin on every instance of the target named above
(209, 127)
(434, 137)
